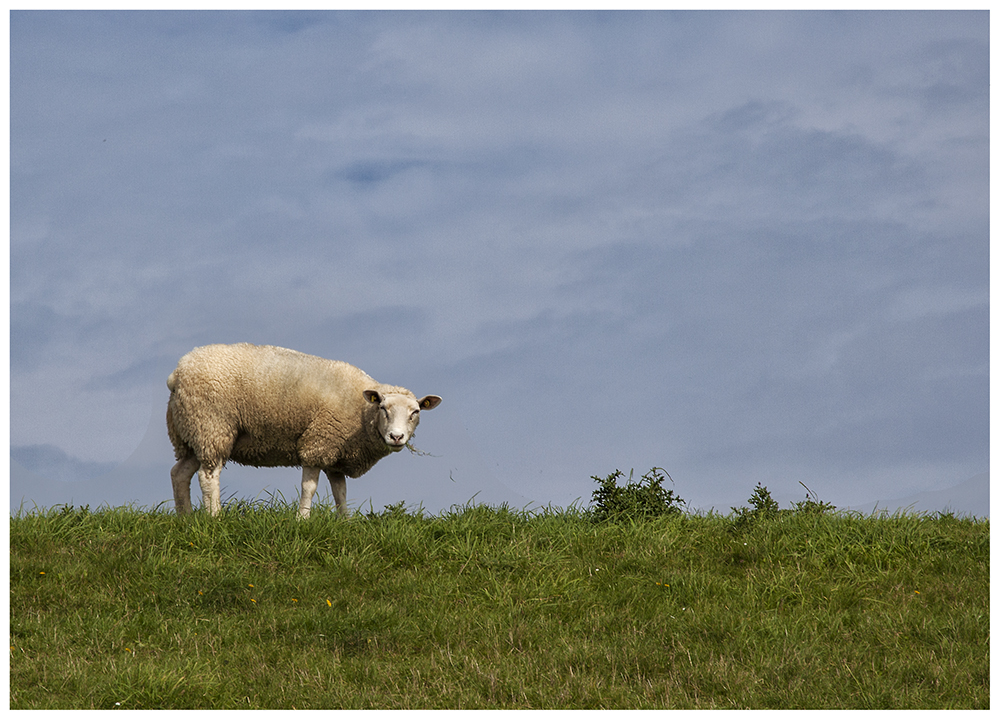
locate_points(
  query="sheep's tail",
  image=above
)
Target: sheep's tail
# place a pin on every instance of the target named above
(172, 382)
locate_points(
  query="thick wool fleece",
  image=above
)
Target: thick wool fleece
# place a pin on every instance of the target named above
(267, 406)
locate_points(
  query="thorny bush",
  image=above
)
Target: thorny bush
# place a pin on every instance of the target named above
(636, 501)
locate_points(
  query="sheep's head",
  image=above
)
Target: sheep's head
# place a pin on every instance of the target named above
(398, 415)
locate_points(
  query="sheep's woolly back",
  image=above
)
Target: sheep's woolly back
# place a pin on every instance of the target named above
(270, 406)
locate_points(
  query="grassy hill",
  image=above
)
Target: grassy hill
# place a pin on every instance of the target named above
(494, 608)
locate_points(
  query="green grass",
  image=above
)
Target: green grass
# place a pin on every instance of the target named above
(493, 608)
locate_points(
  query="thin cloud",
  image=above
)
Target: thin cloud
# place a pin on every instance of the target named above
(740, 246)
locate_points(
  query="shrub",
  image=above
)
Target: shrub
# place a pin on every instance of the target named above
(764, 506)
(636, 501)
(812, 505)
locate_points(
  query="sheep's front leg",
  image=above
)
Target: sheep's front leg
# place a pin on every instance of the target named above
(180, 477)
(208, 478)
(338, 483)
(310, 481)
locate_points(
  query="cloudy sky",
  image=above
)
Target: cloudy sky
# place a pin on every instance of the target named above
(743, 247)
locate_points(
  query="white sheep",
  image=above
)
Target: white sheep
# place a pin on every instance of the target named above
(266, 406)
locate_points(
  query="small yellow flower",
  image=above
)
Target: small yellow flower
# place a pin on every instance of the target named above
(253, 601)
(250, 586)
(295, 599)
(42, 572)
(328, 602)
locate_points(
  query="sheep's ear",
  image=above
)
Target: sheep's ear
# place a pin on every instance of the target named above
(429, 402)
(372, 396)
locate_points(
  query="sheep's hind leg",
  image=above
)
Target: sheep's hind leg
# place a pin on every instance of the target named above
(208, 478)
(310, 481)
(180, 477)
(338, 483)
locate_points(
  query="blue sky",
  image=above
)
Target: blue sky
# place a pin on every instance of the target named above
(743, 247)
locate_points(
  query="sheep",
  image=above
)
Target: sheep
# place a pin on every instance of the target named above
(267, 406)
